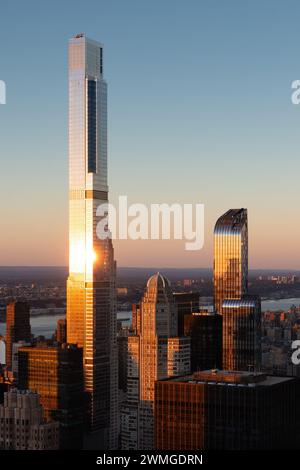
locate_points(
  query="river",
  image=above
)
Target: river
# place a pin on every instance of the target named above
(45, 325)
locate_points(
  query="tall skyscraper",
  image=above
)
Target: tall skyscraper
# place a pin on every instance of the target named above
(17, 326)
(91, 300)
(56, 373)
(157, 352)
(241, 312)
(230, 256)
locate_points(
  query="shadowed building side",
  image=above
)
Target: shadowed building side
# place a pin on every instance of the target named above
(205, 331)
(187, 303)
(56, 373)
(223, 410)
(242, 333)
(17, 327)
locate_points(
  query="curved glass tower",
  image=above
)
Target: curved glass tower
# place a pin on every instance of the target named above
(230, 256)
(241, 313)
(91, 306)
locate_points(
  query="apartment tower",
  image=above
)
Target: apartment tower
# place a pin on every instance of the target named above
(91, 300)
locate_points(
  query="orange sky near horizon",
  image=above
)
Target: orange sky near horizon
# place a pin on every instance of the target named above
(26, 240)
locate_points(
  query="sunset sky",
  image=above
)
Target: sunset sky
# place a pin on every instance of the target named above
(199, 105)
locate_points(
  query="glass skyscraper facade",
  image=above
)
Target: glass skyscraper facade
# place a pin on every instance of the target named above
(91, 301)
(230, 256)
(242, 333)
(241, 313)
(56, 373)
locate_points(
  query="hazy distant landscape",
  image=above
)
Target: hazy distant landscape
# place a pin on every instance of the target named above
(13, 274)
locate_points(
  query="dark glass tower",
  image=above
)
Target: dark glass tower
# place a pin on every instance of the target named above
(242, 333)
(17, 326)
(56, 373)
(187, 303)
(205, 331)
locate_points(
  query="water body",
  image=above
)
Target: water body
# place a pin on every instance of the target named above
(45, 325)
(280, 304)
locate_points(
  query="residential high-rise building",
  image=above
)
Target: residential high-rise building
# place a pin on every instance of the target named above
(205, 331)
(214, 410)
(157, 352)
(17, 326)
(91, 298)
(241, 313)
(230, 256)
(22, 426)
(56, 373)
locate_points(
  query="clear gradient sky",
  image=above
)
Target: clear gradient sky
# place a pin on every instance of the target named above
(199, 111)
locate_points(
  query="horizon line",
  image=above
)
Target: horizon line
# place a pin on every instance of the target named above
(148, 267)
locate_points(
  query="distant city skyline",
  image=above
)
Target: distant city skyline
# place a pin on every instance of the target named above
(200, 112)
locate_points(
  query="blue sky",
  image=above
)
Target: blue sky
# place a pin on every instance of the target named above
(199, 111)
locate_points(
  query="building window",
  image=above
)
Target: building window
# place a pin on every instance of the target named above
(92, 126)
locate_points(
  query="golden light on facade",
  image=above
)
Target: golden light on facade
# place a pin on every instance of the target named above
(77, 258)
(82, 258)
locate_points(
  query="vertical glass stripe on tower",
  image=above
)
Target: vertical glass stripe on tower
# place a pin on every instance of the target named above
(92, 126)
